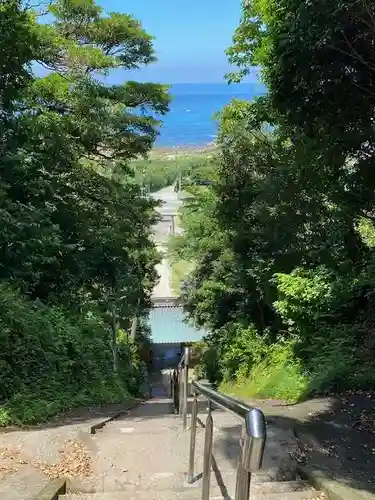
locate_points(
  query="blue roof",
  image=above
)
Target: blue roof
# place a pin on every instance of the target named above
(168, 326)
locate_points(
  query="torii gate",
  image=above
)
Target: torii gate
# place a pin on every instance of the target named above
(170, 217)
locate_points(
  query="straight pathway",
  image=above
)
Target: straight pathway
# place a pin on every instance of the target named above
(163, 288)
(170, 204)
(144, 455)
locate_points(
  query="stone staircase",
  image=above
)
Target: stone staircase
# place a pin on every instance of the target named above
(144, 455)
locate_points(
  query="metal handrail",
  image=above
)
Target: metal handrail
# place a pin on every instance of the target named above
(182, 361)
(179, 387)
(253, 418)
(253, 437)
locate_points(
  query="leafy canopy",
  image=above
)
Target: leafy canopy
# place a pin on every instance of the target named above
(294, 193)
(75, 244)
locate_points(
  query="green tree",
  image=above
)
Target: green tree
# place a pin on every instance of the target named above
(70, 126)
(318, 64)
(75, 229)
(294, 185)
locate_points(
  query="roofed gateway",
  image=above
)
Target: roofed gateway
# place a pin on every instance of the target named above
(170, 331)
(169, 325)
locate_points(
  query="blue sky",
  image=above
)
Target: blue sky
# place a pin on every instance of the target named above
(190, 37)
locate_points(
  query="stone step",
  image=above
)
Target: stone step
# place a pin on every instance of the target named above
(153, 414)
(141, 454)
(268, 487)
(291, 495)
(151, 482)
(191, 493)
(23, 484)
(169, 494)
(177, 484)
(165, 426)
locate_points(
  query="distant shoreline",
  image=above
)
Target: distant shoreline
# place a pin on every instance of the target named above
(184, 150)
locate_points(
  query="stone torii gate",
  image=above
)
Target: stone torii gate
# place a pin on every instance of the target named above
(170, 217)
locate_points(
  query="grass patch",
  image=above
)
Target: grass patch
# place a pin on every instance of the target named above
(180, 270)
(277, 376)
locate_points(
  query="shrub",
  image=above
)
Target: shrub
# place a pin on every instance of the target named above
(51, 362)
(277, 376)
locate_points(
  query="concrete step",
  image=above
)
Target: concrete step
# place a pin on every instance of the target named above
(116, 482)
(267, 487)
(170, 486)
(138, 427)
(189, 493)
(171, 494)
(153, 415)
(291, 495)
(24, 484)
(141, 454)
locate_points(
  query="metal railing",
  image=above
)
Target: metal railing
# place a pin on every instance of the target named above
(252, 441)
(179, 387)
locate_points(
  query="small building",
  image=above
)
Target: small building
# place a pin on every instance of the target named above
(170, 331)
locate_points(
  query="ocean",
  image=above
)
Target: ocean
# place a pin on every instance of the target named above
(190, 121)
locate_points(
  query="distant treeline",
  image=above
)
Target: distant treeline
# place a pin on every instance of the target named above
(158, 172)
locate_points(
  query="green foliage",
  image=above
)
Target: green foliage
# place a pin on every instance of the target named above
(180, 271)
(283, 241)
(209, 364)
(163, 169)
(242, 350)
(53, 363)
(186, 249)
(367, 232)
(277, 376)
(15, 33)
(75, 240)
(303, 296)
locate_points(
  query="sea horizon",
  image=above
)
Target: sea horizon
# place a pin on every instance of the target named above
(190, 122)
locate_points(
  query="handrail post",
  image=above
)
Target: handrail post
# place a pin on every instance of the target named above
(180, 392)
(252, 449)
(193, 434)
(243, 477)
(207, 455)
(185, 391)
(175, 391)
(252, 440)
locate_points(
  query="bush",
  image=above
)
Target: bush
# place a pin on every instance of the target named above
(327, 344)
(208, 366)
(277, 376)
(51, 362)
(331, 319)
(240, 348)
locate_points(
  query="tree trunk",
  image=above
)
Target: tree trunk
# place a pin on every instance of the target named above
(133, 330)
(114, 340)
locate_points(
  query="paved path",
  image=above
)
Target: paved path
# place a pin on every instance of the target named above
(144, 455)
(163, 289)
(336, 435)
(21, 475)
(170, 204)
